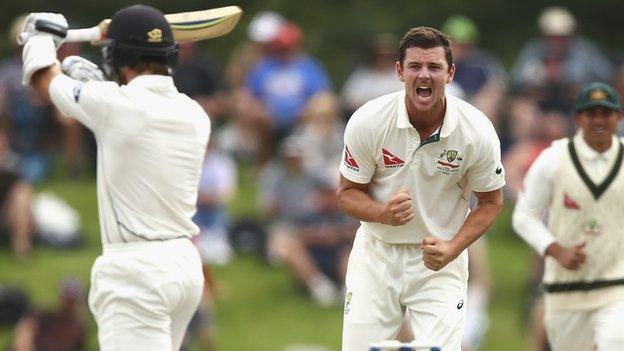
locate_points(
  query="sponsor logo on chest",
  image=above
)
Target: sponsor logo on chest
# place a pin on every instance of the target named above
(390, 160)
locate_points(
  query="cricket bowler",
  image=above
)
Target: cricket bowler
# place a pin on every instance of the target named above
(410, 163)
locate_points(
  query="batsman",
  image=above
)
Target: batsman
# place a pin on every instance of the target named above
(411, 161)
(151, 141)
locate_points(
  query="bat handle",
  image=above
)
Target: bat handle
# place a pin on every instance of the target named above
(51, 27)
(86, 34)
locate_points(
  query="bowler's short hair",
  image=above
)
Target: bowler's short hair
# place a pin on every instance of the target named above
(425, 38)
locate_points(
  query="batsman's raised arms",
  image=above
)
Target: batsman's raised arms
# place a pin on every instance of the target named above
(186, 26)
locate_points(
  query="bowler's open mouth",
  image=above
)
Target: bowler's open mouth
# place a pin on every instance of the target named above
(423, 92)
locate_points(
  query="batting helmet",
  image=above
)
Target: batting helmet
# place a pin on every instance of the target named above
(138, 33)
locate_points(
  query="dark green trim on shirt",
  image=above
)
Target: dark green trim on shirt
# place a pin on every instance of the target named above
(596, 190)
(432, 139)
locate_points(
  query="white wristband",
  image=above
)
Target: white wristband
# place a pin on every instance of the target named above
(39, 52)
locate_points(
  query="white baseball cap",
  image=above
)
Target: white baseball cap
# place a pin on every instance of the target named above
(264, 26)
(556, 20)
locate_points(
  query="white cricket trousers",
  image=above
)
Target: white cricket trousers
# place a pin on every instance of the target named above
(143, 295)
(383, 280)
(601, 329)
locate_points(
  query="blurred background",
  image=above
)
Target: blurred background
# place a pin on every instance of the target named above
(280, 89)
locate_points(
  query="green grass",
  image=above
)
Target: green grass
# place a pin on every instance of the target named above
(259, 307)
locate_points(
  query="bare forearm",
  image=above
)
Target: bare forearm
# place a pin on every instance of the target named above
(360, 205)
(476, 224)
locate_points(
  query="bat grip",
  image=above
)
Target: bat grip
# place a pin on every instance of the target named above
(86, 34)
(51, 27)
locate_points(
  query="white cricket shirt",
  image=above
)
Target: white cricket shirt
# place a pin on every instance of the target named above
(151, 142)
(538, 186)
(384, 149)
(583, 191)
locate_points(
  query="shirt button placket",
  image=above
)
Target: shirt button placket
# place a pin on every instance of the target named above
(415, 162)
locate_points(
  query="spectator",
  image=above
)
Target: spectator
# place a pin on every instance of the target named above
(376, 77)
(321, 131)
(287, 192)
(199, 77)
(61, 330)
(285, 78)
(30, 121)
(480, 75)
(14, 304)
(247, 135)
(521, 154)
(327, 234)
(262, 29)
(556, 64)
(217, 186)
(16, 222)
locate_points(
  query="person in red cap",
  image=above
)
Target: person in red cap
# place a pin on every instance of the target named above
(285, 79)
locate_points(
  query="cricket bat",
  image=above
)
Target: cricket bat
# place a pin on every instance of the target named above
(186, 26)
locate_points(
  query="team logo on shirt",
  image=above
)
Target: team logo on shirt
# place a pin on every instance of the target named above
(349, 161)
(390, 160)
(448, 161)
(592, 227)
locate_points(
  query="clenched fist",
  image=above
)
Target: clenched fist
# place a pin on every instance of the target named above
(398, 209)
(571, 258)
(437, 253)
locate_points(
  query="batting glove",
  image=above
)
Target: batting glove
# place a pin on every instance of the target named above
(42, 34)
(81, 69)
(38, 53)
(40, 23)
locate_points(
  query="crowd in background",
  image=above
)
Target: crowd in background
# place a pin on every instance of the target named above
(278, 116)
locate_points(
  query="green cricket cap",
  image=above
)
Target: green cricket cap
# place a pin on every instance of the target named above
(597, 94)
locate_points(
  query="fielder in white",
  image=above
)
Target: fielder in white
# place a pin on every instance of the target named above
(411, 161)
(581, 184)
(151, 142)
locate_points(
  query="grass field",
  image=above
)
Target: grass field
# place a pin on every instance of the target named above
(259, 307)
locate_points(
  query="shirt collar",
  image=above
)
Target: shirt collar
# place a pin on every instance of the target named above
(402, 116)
(586, 151)
(154, 82)
(450, 115)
